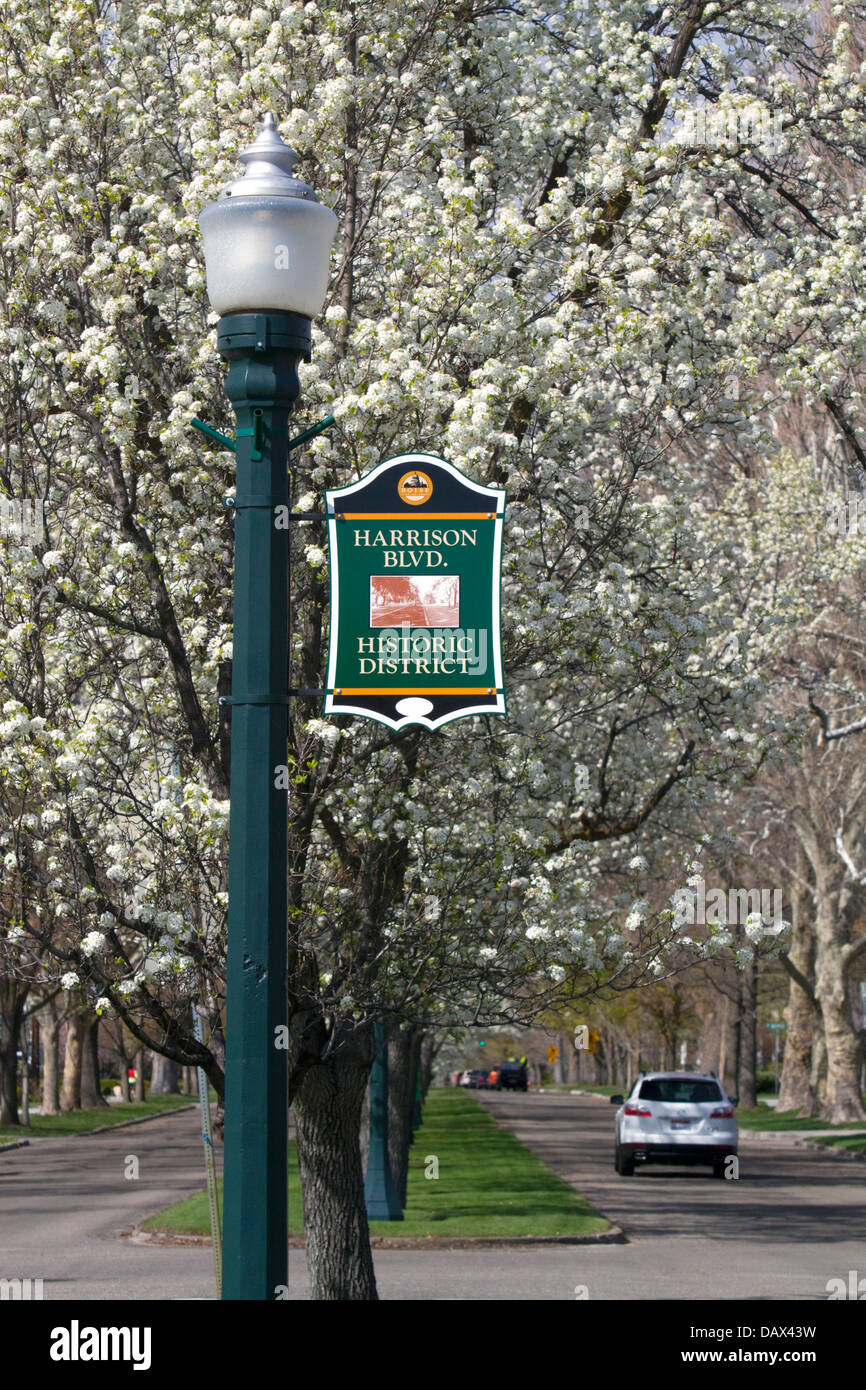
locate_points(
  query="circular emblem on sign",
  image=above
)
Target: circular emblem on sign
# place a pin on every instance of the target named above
(415, 488)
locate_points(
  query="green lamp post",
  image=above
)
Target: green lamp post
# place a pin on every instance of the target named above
(267, 245)
(380, 1191)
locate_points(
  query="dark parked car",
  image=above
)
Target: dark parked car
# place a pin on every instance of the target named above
(513, 1076)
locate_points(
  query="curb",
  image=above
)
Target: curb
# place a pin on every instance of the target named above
(779, 1138)
(140, 1237)
(16, 1144)
(125, 1124)
(548, 1091)
(615, 1236)
(832, 1149)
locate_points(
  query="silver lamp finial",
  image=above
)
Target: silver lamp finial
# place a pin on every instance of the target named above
(269, 168)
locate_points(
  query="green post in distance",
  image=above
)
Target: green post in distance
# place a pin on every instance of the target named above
(380, 1194)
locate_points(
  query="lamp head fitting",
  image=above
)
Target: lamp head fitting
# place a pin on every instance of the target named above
(269, 164)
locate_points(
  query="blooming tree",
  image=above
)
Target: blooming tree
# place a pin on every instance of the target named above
(549, 272)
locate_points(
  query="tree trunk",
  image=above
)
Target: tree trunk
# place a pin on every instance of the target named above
(416, 1101)
(746, 1081)
(139, 1075)
(12, 999)
(364, 1130)
(25, 1074)
(559, 1064)
(70, 1094)
(120, 1047)
(91, 1094)
(429, 1051)
(164, 1076)
(841, 1099)
(818, 1074)
(50, 1031)
(8, 1076)
(35, 1054)
(725, 1021)
(625, 1065)
(328, 1114)
(795, 1087)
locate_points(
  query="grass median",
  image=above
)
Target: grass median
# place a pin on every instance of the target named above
(765, 1118)
(489, 1184)
(854, 1143)
(80, 1121)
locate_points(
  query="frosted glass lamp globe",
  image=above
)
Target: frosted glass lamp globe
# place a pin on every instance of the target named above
(267, 239)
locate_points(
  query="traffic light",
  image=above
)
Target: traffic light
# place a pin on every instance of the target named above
(481, 1043)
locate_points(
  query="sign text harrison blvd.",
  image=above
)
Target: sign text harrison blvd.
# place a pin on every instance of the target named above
(415, 551)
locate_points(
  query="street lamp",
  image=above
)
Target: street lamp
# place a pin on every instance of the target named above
(267, 244)
(267, 239)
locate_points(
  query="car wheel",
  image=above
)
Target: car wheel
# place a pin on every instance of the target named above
(624, 1166)
(719, 1169)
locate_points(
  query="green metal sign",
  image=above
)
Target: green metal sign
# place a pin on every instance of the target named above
(415, 555)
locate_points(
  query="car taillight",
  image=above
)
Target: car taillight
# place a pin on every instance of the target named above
(723, 1113)
(637, 1110)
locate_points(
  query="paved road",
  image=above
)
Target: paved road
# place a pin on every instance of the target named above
(64, 1202)
(793, 1220)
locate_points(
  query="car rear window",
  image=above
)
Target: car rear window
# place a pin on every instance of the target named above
(682, 1090)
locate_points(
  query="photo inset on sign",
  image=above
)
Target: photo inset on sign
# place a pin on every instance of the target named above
(419, 600)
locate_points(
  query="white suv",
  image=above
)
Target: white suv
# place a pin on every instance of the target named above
(675, 1117)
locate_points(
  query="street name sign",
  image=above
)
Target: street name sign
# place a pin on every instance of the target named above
(415, 558)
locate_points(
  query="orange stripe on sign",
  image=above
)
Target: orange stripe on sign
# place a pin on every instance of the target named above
(389, 690)
(417, 516)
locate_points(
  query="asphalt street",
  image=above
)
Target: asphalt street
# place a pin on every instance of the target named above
(65, 1202)
(794, 1220)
